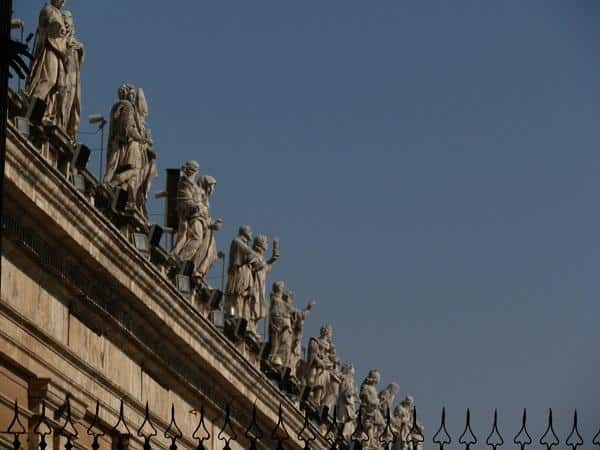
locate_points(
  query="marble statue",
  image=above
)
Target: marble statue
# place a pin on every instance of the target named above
(239, 272)
(372, 419)
(130, 157)
(195, 233)
(280, 326)
(148, 169)
(346, 402)
(386, 398)
(47, 75)
(298, 318)
(283, 317)
(402, 420)
(322, 374)
(254, 306)
(69, 101)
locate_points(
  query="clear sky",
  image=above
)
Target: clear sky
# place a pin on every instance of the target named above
(431, 167)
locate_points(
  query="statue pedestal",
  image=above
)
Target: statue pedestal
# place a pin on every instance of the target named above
(206, 299)
(109, 201)
(60, 150)
(252, 348)
(247, 342)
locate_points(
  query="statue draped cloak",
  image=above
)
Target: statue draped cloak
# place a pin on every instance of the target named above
(258, 301)
(317, 375)
(280, 330)
(124, 155)
(195, 240)
(239, 280)
(70, 110)
(148, 169)
(47, 70)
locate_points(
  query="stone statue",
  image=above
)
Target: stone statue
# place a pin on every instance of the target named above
(47, 75)
(322, 374)
(283, 317)
(346, 402)
(130, 156)
(195, 233)
(148, 169)
(402, 421)
(280, 326)
(298, 319)
(386, 398)
(69, 100)
(239, 272)
(372, 419)
(254, 306)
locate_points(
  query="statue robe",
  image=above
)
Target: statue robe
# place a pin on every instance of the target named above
(49, 53)
(70, 103)
(195, 239)
(124, 156)
(239, 274)
(280, 330)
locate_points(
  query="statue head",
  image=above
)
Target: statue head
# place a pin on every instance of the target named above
(58, 3)
(408, 401)
(373, 377)
(208, 183)
(391, 390)
(326, 331)
(348, 369)
(190, 168)
(261, 243)
(288, 296)
(277, 287)
(126, 92)
(245, 231)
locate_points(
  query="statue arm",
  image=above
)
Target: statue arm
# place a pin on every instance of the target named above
(249, 257)
(311, 304)
(79, 48)
(313, 354)
(185, 202)
(129, 123)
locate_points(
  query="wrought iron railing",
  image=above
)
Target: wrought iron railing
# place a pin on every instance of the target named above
(389, 437)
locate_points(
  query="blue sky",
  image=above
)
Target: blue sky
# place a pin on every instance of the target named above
(432, 169)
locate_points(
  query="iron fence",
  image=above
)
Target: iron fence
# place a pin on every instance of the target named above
(387, 439)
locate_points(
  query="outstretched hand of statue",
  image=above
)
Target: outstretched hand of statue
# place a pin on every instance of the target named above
(216, 225)
(275, 253)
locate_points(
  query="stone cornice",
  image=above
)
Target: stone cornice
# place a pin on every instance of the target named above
(146, 290)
